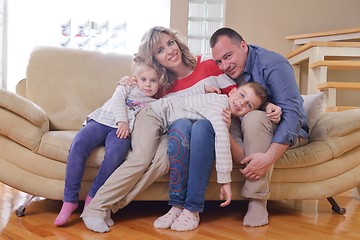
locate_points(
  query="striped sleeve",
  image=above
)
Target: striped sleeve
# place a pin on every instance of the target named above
(213, 112)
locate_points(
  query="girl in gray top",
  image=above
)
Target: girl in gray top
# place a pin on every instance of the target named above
(109, 125)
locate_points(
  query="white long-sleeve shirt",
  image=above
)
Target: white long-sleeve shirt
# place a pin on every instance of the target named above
(202, 106)
(123, 106)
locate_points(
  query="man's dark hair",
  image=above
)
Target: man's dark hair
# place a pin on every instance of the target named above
(230, 33)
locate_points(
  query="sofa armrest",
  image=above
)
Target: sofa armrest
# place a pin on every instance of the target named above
(335, 124)
(21, 120)
(21, 87)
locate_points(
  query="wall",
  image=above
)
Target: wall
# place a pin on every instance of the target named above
(268, 22)
(178, 16)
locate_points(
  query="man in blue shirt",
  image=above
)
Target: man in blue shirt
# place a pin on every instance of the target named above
(264, 141)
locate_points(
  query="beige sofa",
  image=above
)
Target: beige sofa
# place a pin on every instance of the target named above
(63, 85)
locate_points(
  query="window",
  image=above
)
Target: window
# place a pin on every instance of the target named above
(103, 25)
(205, 17)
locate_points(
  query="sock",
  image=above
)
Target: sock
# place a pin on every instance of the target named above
(187, 221)
(108, 219)
(96, 224)
(66, 210)
(166, 220)
(257, 214)
(87, 200)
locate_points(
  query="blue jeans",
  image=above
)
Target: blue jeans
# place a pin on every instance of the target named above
(92, 135)
(191, 148)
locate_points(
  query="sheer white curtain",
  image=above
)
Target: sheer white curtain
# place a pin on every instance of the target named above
(41, 22)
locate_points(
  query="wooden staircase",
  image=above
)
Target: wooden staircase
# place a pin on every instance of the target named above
(330, 94)
(348, 34)
(318, 53)
(337, 65)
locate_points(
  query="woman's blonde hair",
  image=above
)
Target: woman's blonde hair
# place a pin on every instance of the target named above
(148, 44)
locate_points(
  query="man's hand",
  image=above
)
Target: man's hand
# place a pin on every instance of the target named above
(225, 193)
(273, 112)
(123, 130)
(257, 165)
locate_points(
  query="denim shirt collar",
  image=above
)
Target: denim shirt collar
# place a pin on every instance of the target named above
(246, 74)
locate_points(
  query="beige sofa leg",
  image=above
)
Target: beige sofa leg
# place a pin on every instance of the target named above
(356, 192)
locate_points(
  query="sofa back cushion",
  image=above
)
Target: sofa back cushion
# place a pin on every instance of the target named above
(314, 105)
(70, 83)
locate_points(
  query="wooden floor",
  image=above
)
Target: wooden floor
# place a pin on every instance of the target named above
(290, 220)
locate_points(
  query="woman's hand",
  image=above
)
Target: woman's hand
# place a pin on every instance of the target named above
(225, 193)
(123, 130)
(227, 117)
(273, 112)
(127, 81)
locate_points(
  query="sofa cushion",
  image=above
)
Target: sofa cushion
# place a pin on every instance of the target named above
(68, 84)
(335, 124)
(310, 154)
(56, 145)
(314, 105)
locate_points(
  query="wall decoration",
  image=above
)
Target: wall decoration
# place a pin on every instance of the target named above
(93, 35)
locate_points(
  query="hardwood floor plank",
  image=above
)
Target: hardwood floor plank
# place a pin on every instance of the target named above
(309, 219)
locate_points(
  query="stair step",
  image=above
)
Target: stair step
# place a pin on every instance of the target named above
(352, 34)
(325, 33)
(330, 89)
(322, 44)
(339, 108)
(337, 65)
(339, 85)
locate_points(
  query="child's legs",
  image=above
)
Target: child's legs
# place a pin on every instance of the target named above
(90, 136)
(144, 141)
(116, 150)
(202, 156)
(179, 153)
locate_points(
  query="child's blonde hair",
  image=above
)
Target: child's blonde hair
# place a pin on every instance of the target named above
(139, 65)
(148, 44)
